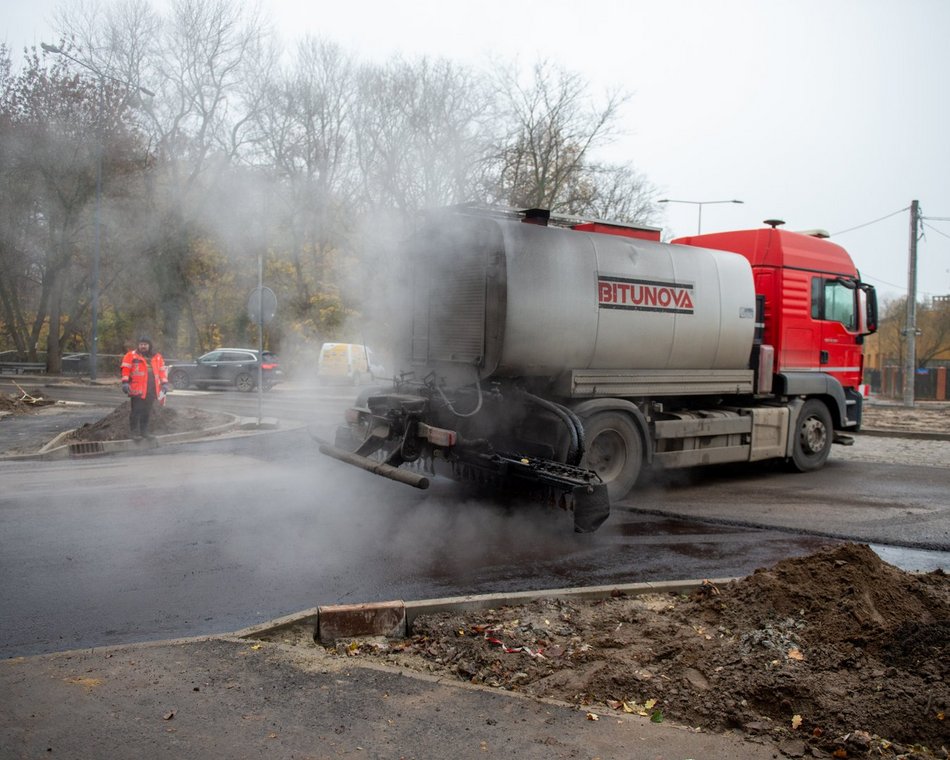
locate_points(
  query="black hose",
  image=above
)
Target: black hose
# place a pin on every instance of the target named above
(581, 438)
(571, 421)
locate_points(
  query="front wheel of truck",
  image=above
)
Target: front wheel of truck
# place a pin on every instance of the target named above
(814, 434)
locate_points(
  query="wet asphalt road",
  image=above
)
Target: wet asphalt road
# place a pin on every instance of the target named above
(211, 537)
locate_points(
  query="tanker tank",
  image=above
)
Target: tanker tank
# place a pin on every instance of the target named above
(516, 299)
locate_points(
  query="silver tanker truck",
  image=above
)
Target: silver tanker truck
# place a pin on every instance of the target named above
(561, 359)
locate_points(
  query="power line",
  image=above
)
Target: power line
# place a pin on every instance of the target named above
(873, 221)
(931, 227)
(901, 288)
(866, 276)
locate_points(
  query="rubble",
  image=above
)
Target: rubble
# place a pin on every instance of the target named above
(836, 652)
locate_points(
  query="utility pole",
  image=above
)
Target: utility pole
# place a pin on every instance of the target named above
(910, 328)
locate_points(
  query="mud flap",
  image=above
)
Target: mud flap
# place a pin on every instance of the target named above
(591, 507)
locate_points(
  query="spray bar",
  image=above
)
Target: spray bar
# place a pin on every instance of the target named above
(377, 468)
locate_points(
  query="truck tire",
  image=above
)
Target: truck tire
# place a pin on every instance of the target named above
(813, 436)
(614, 451)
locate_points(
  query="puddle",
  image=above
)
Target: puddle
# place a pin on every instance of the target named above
(913, 560)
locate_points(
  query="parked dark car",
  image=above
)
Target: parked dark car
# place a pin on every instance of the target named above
(81, 363)
(234, 367)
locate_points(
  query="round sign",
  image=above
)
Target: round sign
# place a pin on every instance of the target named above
(262, 305)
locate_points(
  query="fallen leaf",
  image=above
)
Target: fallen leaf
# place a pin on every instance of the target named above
(796, 721)
(256, 646)
(840, 752)
(89, 683)
(591, 716)
(795, 654)
(656, 716)
(650, 704)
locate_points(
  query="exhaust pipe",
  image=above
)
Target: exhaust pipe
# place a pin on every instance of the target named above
(413, 479)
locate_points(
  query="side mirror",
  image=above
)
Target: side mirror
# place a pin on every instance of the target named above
(867, 298)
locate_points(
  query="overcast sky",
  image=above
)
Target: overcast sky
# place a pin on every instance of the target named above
(825, 113)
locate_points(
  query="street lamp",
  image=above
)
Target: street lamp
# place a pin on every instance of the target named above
(700, 204)
(94, 295)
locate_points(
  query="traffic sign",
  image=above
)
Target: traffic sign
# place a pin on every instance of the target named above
(262, 305)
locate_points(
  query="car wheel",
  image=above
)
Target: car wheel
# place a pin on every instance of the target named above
(179, 378)
(244, 382)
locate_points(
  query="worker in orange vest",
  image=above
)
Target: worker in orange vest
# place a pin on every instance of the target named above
(144, 378)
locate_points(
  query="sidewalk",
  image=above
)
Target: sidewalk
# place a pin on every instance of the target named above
(230, 698)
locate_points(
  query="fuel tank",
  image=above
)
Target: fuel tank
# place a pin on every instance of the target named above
(516, 299)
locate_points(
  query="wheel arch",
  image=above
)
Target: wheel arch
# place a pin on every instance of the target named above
(594, 405)
(817, 385)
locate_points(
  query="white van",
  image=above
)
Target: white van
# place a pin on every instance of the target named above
(351, 363)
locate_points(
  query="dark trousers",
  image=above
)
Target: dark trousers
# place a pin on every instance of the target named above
(138, 418)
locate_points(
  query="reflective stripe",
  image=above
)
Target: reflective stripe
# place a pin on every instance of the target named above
(820, 369)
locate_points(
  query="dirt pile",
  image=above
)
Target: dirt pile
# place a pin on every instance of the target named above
(24, 401)
(164, 420)
(835, 652)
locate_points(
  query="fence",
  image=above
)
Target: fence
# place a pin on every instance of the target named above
(13, 363)
(930, 383)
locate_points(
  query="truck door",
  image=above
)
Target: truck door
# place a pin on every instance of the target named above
(834, 306)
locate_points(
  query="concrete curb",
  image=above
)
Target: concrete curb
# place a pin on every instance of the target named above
(918, 436)
(395, 618)
(57, 450)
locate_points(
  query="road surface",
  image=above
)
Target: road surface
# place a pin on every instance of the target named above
(211, 537)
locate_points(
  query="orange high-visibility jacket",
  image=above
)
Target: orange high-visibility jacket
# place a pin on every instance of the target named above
(135, 373)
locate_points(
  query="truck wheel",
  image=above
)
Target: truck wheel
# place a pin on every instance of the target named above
(244, 382)
(614, 451)
(813, 436)
(179, 378)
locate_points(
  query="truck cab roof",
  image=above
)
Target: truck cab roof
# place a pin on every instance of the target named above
(773, 247)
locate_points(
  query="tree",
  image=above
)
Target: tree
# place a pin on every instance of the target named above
(543, 160)
(305, 133)
(933, 321)
(58, 127)
(201, 59)
(422, 133)
(933, 327)
(317, 167)
(612, 191)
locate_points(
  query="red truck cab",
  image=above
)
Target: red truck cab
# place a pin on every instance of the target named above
(816, 309)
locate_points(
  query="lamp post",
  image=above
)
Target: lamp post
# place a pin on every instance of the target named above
(700, 204)
(94, 291)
